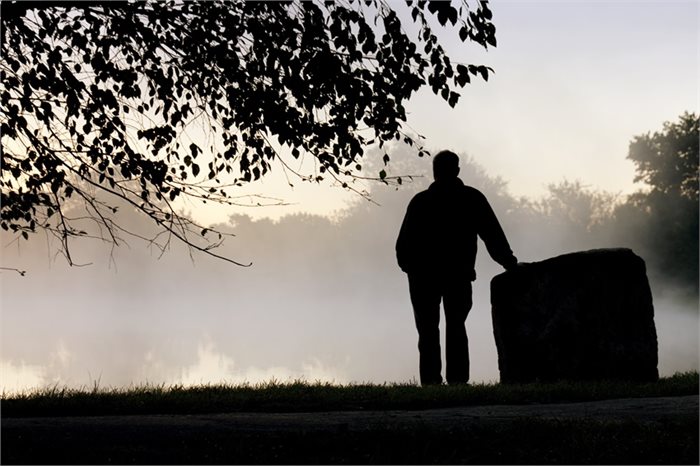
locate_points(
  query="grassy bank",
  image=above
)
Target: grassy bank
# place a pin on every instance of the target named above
(303, 396)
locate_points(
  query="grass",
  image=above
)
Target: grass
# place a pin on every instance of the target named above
(302, 396)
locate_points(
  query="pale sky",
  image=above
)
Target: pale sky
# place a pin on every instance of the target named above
(573, 83)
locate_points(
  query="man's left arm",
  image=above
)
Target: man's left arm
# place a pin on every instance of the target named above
(405, 242)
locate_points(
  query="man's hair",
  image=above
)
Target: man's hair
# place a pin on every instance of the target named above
(445, 165)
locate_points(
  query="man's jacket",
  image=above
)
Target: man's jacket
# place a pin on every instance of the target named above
(439, 231)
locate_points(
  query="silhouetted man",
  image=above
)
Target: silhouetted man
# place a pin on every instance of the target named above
(436, 247)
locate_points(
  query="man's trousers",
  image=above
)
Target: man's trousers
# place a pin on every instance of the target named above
(455, 292)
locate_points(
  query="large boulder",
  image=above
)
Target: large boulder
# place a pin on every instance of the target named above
(580, 316)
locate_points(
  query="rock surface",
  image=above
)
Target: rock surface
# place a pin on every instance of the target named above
(580, 316)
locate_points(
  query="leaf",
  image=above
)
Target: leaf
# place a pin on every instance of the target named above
(451, 14)
(195, 169)
(414, 13)
(463, 33)
(453, 99)
(484, 72)
(462, 77)
(382, 174)
(194, 149)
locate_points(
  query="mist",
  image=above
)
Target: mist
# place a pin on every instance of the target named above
(323, 301)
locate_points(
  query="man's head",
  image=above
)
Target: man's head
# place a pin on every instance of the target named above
(445, 165)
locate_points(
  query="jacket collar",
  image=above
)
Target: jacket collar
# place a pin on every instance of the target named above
(450, 183)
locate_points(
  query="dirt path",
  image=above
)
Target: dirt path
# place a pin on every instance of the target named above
(638, 409)
(146, 437)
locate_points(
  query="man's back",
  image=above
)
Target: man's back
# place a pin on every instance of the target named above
(439, 232)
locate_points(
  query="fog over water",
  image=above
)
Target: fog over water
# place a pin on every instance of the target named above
(324, 300)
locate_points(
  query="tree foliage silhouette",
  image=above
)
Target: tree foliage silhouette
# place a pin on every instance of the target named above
(668, 160)
(147, 102)
(664, 218)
